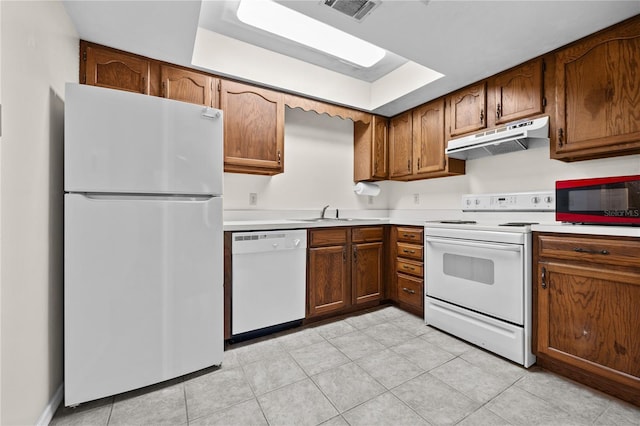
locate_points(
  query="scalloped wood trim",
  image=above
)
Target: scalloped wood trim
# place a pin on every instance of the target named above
(318, 107)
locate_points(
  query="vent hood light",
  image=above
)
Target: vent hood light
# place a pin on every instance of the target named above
(284, 22)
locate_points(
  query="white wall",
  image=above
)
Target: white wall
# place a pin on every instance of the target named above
(319, 171)
(39, 54)
(529, 170)
(318, 153)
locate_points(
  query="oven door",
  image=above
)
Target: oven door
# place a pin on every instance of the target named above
(483, 276)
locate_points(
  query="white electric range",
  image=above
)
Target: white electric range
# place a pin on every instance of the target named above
(478, 271)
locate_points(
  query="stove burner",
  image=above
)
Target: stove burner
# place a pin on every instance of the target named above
(459, 222)
(518, 223)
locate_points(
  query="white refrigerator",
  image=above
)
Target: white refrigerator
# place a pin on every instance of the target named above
(143, 241)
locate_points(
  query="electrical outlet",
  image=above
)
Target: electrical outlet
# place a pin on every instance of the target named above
(253, 199)
(416, 198)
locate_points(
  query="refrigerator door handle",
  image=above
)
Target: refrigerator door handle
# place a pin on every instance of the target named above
(211, 113)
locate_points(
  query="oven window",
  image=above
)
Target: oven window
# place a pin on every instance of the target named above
(469, 268)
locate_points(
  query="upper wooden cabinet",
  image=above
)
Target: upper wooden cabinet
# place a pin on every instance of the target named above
(188, 86)
(401, 146)
(104, 67)
(429, 143)
(417, 144)
(253, 129)
(598, 95)
(467, 109)
(518, 92)
(370, 149)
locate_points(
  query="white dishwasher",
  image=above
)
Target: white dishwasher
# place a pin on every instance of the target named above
(268, 279)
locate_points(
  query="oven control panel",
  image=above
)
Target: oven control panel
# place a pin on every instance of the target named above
(515, 201)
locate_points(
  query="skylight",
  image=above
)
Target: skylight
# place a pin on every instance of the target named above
(282, 21)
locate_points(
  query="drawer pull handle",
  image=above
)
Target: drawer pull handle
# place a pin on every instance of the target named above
(409, 267)
(409, 251)
(408, 236)
(407, 290)
(582, 250)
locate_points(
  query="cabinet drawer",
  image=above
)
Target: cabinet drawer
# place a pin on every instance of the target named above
(623, 252)
(411, 235)
(410, 267)
(411, 251)
(410, 290)
(328, 237)
(367, 234)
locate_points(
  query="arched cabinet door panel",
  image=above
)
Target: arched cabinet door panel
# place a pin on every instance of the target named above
(253, 129)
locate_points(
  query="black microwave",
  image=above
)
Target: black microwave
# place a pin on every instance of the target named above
(608, 200)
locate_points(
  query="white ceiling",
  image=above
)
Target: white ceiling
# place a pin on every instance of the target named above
(464, 40)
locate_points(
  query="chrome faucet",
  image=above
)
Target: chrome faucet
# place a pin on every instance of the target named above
(324, 210)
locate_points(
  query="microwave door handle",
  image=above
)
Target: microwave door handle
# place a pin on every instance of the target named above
(467, 243)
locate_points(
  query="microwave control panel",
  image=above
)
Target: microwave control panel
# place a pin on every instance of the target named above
(516, 201)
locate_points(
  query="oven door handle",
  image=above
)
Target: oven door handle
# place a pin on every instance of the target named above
(469, 243)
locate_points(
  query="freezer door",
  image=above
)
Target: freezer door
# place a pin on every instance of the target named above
(121, 142)
(143, 292)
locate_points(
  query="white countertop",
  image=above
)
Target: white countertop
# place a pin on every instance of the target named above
(269, 224)
(570, 228)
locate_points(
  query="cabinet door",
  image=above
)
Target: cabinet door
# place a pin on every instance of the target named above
(598, 95)
(467, 110)
(187, 86)
(328, 280)
(400, 146)
(518, 92)
(367, 272)
(588, 318)
(115, 70)
(370, 149)
(428, 138)
(253, 129)
(380, 148)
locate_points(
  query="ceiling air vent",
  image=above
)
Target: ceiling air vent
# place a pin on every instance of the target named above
(356, 9)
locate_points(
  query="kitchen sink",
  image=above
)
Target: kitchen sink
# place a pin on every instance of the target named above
(325, 219)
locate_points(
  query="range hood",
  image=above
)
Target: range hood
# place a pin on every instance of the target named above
(512, 137)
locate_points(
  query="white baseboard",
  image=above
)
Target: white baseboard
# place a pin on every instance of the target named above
(50, 409)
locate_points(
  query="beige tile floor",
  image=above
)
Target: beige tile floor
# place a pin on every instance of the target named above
(383, 367)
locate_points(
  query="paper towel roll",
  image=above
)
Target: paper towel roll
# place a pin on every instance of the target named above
(366, 188)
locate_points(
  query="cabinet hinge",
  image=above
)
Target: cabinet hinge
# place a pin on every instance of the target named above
(544, 101)
(84, 55)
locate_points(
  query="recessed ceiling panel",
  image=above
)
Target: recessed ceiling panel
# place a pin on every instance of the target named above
(221, 17)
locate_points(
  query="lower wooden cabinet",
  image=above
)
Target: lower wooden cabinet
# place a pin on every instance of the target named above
(407, 255)
(586, 310)
(345, 269)
(328, 279)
